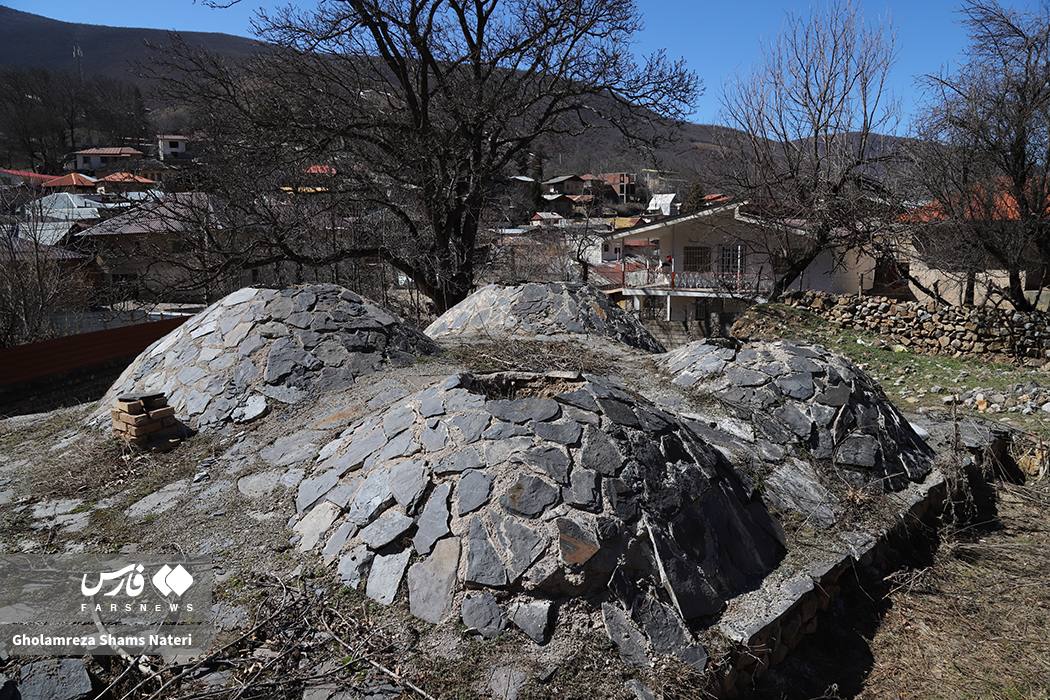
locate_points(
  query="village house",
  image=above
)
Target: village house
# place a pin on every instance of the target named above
(89, 160)
(564, 184)
(623, 185)
(172, 146)
(74, 183)
(711, 263)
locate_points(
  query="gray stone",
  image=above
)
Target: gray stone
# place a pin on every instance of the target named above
(386, 528)
(857, 450)
(835, 395)
(483, 565)
(533, 617)
(622, 633)
(742, 377)
(523, 410)
(563, 431)
(312, 526)
(385, 576)
(507, 682)
(432, 582)
(472, 491)
(373, 495)
(433, 522)
(459, 461)
(482, 614)
(530, 496)
(551, 460)
(352, 566)
(470, 425)
(54, 679)
(583, 491)
(519, 543)
(600, 453)
(798, 386)
(336, 540)
(407, 481)
(255, 406)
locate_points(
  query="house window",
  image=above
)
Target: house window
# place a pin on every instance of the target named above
(605, 247)
(732, 262)
(173, 144)
(696, 258)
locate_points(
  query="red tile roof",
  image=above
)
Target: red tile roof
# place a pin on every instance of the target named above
(71, 180)
(109, 151)
(127, 178)
(29, 175)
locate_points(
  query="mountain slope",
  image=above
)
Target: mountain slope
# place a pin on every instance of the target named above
(33, 41)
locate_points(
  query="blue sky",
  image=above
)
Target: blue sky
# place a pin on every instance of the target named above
(718, 39)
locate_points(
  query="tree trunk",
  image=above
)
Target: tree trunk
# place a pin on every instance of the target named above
(1020, 301)
(794, 269)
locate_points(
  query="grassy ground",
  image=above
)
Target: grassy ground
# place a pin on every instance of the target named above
(906, 377)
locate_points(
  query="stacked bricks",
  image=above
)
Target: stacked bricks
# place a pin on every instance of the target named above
(142, 420)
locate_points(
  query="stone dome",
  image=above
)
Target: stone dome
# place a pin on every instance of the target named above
(806, 399)
(494, 499)
(541, 310)
(256, 346)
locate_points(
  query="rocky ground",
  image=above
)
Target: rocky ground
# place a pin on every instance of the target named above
(280, 500)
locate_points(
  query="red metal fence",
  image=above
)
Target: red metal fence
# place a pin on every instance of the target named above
(72, 353)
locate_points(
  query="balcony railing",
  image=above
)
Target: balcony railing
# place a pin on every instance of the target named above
(743, 282)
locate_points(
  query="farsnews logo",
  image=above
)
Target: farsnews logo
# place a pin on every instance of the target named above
(166, 580)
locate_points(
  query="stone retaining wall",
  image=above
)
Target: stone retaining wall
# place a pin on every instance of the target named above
(935, 329)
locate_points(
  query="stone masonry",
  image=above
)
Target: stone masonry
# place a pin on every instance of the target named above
(257, 346)
(937, 329)
(496, 499)
(538, 311)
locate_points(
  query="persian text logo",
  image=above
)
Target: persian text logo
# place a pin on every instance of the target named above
(167, 580)
(129, 578)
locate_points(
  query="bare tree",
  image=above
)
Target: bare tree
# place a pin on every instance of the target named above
(983, 158)
(810, 156)
(39, 282)
(423, 105)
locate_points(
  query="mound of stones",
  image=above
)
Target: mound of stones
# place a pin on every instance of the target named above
(256, 346)
(496, 499)
(541, 310)
(804, 400)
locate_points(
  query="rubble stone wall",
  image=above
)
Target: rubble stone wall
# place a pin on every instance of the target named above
(935, 329)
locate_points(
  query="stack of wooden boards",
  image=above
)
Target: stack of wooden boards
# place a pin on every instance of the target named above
(144, 420)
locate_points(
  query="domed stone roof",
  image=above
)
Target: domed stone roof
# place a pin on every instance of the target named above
(805, 397)
(496, 498)
(260, 345)
(541, 310)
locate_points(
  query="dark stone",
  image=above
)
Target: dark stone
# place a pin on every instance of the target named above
(483, 565)
(577, 544)
(564, 432)
(583, 491)
(523, 410)
(622, 632)
(54, 679)
(529, 496)
(553, 461)
(482, 614)
(533, 618)
(472, 491)
(798, 386)
(600, 453)
(433, 521)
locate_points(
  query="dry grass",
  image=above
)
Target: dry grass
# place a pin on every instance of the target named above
(975, 623)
